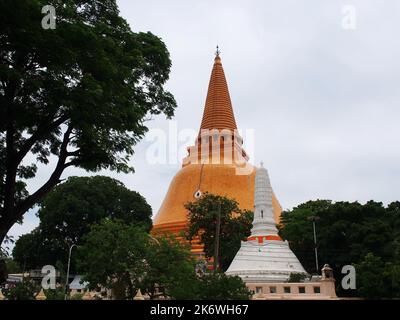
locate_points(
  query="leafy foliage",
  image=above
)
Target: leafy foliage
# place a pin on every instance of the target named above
(235, 225)
(378, 279)
(3, 271)
(77, 296)
(79, 93)
(68, 212)
(31, 251)
(113, 256)
(297, 277)
(55, 294)
(218, 286)
(72, 207)
(348, 233)
(169, 268)
(25, 290)
(124, 258)
(5, 258)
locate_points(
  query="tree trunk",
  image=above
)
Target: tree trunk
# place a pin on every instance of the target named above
(5, 226)
(13, 211)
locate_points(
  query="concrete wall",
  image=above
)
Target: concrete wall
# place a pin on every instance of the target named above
(298, 291)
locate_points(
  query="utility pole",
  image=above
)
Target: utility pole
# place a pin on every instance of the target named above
(314, 219)
(217, 232)
(69, 263)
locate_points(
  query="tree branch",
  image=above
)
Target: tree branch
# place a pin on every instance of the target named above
(54, 179)
(73, 153)
(40, 132)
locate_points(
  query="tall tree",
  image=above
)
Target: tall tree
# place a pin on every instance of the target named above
(113, 256)
(235, 225)
(125, 258)
(378, 278)
(73, 206)
(170, 270)
(347, 233)
(80, 93)
(68, 212)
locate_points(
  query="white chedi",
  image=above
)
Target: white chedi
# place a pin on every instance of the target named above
(264, 257)
(263, 221)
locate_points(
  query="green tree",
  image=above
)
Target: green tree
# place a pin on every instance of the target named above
(296, 277)
(218, 286)
(170, 268)
(32, 251)
(377, 279)
(235, 225)
(12, 266)
(73, 206)
(7, 265)
(55, 294)
(346, 234)
(25, 290)
(67, 213)
(113, 256)
(79, 93)
(371, 277)
(125, 258)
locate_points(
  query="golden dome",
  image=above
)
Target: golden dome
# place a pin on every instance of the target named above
(220, 179)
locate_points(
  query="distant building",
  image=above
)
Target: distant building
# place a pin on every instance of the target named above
(77, 286)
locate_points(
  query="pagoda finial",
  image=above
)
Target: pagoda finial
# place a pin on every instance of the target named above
(218, 113)
(217, 52)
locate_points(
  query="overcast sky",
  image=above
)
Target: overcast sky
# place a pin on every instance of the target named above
(324, 100)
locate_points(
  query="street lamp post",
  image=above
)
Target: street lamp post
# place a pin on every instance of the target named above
(69, 263)
(314, 219)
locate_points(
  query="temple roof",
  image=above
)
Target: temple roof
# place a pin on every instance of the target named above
(218, 112)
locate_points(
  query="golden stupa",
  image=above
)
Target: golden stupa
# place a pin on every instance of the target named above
(216, 164)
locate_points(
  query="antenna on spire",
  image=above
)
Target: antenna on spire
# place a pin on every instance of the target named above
(217, 52)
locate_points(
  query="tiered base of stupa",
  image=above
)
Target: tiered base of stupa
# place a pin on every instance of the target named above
(263, 260)
(178, 230)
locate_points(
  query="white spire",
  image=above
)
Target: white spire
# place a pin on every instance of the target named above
(264, 257)
(263, 222)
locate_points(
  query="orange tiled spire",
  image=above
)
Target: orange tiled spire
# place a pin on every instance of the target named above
(218, 112)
